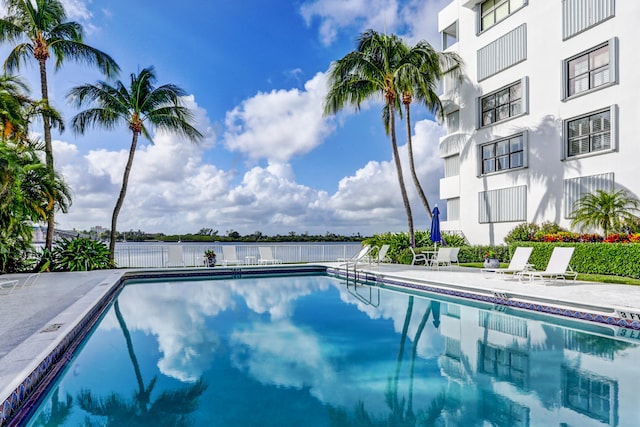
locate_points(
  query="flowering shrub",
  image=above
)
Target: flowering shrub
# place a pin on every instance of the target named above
(490, 254)
(634, 238)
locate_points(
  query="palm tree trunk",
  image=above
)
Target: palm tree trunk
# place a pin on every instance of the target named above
(132, 354)
(414, 352)
(48, 149)
(412, 165)
(403, 189)
(123, 193)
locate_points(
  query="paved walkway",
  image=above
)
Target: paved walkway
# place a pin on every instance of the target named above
(33, 319)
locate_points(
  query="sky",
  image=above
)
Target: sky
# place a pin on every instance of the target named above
(255, 73)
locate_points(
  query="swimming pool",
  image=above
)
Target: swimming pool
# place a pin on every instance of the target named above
(312, 351)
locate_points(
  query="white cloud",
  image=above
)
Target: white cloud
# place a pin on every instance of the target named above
(335, 15)
(280, 124)
(405, 18)
(173, 189)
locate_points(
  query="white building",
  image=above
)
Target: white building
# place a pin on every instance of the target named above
(545, 113)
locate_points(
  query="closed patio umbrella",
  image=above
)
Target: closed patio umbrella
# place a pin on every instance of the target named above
(435, 226)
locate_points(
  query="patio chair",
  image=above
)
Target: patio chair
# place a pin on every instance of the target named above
(443, 257)
(517, 264)
(266, 256)
(7, 286)
(175, 256)
(557, 268)
(454, 256)
(418, 257)
(382, 255)
(229, 255)
(361, 256)
(30, 280)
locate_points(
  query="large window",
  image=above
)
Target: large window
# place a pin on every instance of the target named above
(453, 121)
(589, 133)
(494, 11)
(590, 70)
(503, 154)
(502, 104)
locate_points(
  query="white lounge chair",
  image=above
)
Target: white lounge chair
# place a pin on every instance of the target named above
(382, 255)
(557, 268)
(443, 257)
(175, 256)
(7, 286)
(453, 255)
(517, 264)
(229, 255)
(361, 256)
(418, 257)
(266, 256)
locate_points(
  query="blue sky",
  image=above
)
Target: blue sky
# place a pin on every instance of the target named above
(255, 72)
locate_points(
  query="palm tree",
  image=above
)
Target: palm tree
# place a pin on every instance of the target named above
(139, 106)
(606, 210)
(39, 28)
(375, 68)
(420, 82)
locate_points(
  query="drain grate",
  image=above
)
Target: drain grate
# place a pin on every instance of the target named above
(52, 328)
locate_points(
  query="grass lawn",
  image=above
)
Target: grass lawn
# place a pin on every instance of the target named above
(602, 278)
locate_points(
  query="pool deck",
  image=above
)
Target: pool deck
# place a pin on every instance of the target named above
(35, 319)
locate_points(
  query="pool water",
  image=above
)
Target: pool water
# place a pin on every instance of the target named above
(312, 351)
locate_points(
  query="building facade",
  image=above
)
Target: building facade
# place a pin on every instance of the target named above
(544, 114)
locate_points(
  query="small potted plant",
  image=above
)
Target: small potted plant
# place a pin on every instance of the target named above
(210, 257)
(491, 259)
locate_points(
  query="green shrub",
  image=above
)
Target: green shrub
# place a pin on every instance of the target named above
(399, 243)
(617, 259)
(79, 254)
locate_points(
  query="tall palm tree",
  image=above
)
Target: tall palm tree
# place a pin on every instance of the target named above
(606, 210)
(139, 106)
(375, 68)
(38, 28)
(420, 82)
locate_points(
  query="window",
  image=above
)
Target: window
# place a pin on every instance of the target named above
(590, 70)
(502, 53)
(450, 36)
(589, 133)
(504, 154)
(503, 205)
(453, 121)
(502, 104)
(580, 15)
(494, 11)
(575, 188)
(590, 395)
(452, 166)
(453, 209)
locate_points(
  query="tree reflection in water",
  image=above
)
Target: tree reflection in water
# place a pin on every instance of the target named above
(171, 408)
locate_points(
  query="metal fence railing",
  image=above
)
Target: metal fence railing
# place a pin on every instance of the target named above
(141, 255)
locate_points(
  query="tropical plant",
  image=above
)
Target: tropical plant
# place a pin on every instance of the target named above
(375, 68)
(79, 254)
(425, 67)
(607, 210)
(26, 194)
(138, 107)
(37, 29)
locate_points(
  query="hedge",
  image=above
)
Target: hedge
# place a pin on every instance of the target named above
(617, 259)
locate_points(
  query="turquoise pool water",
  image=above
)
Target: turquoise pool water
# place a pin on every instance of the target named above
(311, 351)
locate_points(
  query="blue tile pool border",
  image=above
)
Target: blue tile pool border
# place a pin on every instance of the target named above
(510, 300)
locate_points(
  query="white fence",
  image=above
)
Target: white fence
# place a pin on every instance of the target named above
(142, 255)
